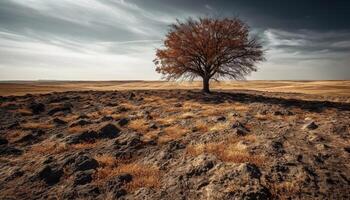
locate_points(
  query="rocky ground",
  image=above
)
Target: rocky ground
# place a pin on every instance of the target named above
(173, 144)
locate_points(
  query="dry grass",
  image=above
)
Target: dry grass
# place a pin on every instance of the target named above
(94, 115)
(201, 126)
(189, 105)
(187, 115)
(70, 118)
(139, 125)
(143, 175)
(284, 190)
(129, 106)
(171, 109)
(228, 151)
(219, 110)
(150, 135)
(172, 133)
(49, 148)
(36, 125)
(107, 111)
(24, 112)
(106, 160)
(87, 145)
(118, 116)
(167, 120)
(261, 117)
(329, 88)
(240, 107)
(220, 126)
(14, 135)
(77, 129)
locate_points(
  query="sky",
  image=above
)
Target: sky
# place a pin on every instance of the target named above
(116, 39)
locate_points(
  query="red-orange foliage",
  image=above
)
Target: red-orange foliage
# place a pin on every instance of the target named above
(209, 48)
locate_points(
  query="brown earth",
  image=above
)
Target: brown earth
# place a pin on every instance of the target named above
(174, 144)
(325, 88)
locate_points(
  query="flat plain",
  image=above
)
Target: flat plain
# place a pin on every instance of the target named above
(327, 88)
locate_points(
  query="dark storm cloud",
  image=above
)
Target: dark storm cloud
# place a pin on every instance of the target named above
(296, 14)
(95, 36)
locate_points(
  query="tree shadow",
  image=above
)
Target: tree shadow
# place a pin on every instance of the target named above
(221, 97)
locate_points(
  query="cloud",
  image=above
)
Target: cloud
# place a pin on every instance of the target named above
(305, 54)
(116, 39)
(308, 44)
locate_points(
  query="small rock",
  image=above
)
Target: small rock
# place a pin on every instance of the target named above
(277, 147)
(81, 122)
(128, 147)
(260, 193)
(220, 119)
(201, 165)
(17, 173)
(59, 122)
(309, 170)
(123, 122)
(3, 141)
(310, 126)
(36, 108)
(14, 125)
(175, 145)
(153, 126)
(315, 138)
(131, 96)
(122, 109)
(87, 136)
(87, 191)
(178, 105)
(112, 104)
(278, 113)
(238, 124)
(235, 114)
(281, 168)
(251, 169)
(27, 138)
(84, 162)
(106, 118)
(115, 185)
(347, 149)
(119, 180)
(125, 178)
(83, 117)
(51, 175)
(241, 131)
(109, 131)
(322, 147)
(83, 177)
(49, 160)
(9, 150)
(61, 108)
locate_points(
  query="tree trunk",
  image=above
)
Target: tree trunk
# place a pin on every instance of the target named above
(206, 85)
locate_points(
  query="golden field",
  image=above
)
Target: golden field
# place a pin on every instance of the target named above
(327, 88)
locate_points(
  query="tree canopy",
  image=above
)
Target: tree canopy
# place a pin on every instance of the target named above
(210, 48)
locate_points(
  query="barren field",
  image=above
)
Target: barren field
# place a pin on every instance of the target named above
(325, 88)
(147, 141)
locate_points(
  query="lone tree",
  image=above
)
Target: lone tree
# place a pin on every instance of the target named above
(209, 48)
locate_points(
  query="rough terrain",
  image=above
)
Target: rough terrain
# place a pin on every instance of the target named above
(174, 144)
